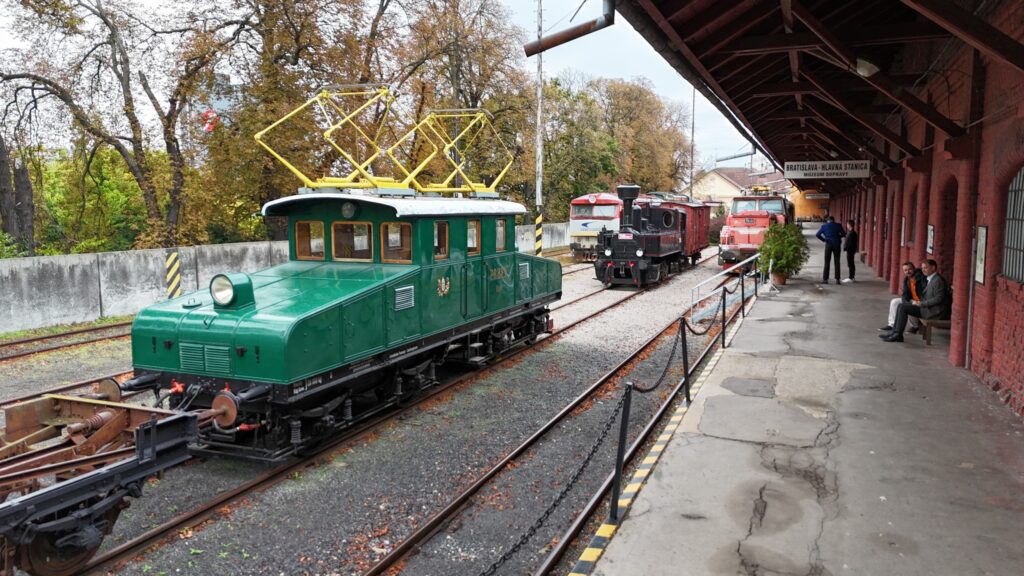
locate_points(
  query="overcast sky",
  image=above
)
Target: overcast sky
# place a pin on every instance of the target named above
(615, 52)
(620, 52)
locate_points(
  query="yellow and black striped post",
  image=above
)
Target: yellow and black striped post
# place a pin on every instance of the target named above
(539, 235)
(173, 267)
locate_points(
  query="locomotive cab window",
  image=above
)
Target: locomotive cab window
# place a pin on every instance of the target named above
(440, 240)
(309, 240)
(499, 230)
(473, 238)
(667, 219)
(353, 241)
(396, 242)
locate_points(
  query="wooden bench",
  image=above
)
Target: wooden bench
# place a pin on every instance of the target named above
(927, 325)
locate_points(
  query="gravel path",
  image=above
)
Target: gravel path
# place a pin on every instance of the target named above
(49, 369)
(339, 517)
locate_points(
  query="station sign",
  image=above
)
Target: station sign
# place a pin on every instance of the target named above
(816, 196)
(829, 169)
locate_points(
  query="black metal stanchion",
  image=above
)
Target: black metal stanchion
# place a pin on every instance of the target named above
(686, 358)
(724, 319)
(743, 297)
(613, 506)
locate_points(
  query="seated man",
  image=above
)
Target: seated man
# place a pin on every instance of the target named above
(913, 288)
(933, 304)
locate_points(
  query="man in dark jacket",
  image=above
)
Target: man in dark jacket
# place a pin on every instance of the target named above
(934, 304)
(851, 246)
(832, 235)
(913, 289)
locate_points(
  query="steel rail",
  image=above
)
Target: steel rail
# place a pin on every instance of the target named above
(575, 300)
(569, 536)
(61, 346)
(580, 269)
(62, 388)
(62, 334)
(439, 519)
(207, 510)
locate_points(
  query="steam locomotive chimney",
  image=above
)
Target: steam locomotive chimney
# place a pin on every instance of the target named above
(628, 193)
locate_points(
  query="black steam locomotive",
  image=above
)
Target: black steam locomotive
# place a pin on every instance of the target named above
(652, 240)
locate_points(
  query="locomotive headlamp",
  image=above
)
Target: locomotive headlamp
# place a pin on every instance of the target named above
(607, 251)
(222, 290)
(231, 290)
(348, 210)
(639, 252)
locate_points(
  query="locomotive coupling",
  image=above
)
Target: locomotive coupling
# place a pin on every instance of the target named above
(144, 382)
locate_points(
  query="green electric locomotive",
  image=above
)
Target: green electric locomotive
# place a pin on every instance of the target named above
(387, 279)
(378, 291)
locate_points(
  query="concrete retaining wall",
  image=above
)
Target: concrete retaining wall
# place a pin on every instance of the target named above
(52, 290)
(555, 236)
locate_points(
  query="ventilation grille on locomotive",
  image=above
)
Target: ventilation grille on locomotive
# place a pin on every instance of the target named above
(200, 358)
(405, 297)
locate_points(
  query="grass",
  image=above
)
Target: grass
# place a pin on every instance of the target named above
(49, 330)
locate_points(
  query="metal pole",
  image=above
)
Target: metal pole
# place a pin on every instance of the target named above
(613, 506)
(723, 317)
(539, 231)
(686, 358)
(693, 120)
(743, 296)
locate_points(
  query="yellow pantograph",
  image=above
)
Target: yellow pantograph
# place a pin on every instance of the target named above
(447, 151)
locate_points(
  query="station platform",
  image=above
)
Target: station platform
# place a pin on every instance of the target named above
(815, 448)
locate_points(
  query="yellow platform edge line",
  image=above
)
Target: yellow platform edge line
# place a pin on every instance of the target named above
(599, 541)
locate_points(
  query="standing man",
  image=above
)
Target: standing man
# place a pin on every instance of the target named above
(851, 246)
(933, 304)
(832, 235)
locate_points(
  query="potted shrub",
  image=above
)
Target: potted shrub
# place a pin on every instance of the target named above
(785, 249)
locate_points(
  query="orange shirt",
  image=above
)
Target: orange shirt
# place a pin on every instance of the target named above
(913, 290)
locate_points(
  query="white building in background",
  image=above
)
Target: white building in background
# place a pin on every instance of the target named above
(723, 184)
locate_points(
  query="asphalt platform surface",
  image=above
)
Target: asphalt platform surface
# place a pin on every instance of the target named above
(816, 449)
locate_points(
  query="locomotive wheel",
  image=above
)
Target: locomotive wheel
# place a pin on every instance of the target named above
(43, 557)
(662, 271)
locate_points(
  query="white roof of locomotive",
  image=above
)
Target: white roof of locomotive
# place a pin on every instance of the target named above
(404, 206)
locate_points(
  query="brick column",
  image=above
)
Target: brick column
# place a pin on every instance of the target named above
(894, 239)
(879, 217)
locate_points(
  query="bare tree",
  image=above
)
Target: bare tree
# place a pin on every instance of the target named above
(101, 47)
(24, 206)
(8, 213)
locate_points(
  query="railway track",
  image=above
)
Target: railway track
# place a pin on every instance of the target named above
(13, 349)
(451, 510)
(574, 268)
(209, 509)
(116, 376)
(639, 446)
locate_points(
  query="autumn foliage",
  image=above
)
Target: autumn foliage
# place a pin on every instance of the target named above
(136, 122)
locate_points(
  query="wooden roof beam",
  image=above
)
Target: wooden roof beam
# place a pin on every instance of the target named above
(826, 35)
(869, 36)
(834, 130)
(884, 84)
(757, 13)
(719, 17)
(972, 30)
(908, 100)
(793, 55)
(876, 127)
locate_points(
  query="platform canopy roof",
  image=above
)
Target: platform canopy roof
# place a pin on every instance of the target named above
(820, 79)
